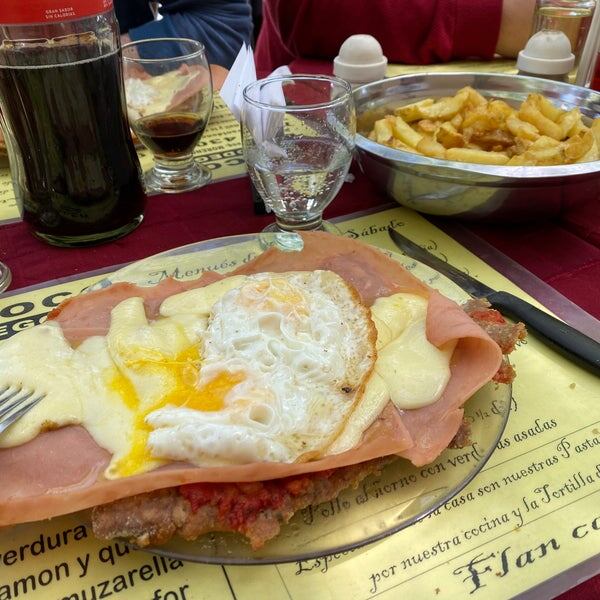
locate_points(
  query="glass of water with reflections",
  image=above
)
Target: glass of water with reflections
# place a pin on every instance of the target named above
(298, 138)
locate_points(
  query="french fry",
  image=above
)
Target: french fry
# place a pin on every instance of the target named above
(480, 118)
(501, 109)
(383, 131)
(553, 155)
(445, 108)
(578, 146)
(532, 115)
(592, 154)
(428, 126)
(595, 129)
(448, 136)
(467, 127)
(473, 96)
(476, 156)
(456, 120)
(430, 147)
(412, 112)
(545, 106)
(400, 145)
(544, 142)
(404, 132)
(568, 121)
(579, 126)
(520, 146)
(520, 160)
(521, 129)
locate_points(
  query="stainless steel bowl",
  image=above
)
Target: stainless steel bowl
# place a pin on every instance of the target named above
(466, 190)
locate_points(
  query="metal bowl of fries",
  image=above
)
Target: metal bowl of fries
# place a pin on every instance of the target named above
(535, 156)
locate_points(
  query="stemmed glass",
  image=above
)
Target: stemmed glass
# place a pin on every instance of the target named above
(169, 94)
(298, 138)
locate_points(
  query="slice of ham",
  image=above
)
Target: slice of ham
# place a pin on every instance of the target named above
(81, 317)
(61, 471)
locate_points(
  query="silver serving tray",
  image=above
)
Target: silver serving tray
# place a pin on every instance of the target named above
(465, 190)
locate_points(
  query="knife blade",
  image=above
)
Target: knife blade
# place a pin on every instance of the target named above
(563, 338)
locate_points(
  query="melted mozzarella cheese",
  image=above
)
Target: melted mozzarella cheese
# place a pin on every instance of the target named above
(409, 370)
(23, 359)
(414, 370)
(200, 301)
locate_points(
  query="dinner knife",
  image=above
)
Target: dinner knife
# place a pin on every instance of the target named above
(563, 338)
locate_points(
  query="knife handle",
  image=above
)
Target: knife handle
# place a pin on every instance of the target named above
(569, 342)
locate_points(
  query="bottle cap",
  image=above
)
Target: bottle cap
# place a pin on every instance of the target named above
(547, 52)
(360, 60)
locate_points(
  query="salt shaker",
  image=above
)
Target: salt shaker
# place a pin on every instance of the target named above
(360, 60)
(547, 54)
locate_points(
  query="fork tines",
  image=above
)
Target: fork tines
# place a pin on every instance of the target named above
(16, 402)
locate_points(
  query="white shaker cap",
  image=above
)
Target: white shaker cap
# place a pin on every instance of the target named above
(360, 60)
(547, 52)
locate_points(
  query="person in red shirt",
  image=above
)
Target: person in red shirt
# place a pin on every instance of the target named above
(409, 31)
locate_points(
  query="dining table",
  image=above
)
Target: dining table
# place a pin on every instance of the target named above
(553, 260)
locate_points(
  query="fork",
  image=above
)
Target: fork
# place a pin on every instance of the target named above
(16, 402)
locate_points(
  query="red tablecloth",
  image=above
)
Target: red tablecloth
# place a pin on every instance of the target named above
(564, 252)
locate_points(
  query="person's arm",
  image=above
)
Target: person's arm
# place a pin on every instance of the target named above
(515, 26)
(410, 31)
(221, 25)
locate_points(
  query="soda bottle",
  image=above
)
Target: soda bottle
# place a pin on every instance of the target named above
(62, 108)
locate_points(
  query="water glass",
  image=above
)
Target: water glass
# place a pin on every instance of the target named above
(169, 93)
(298, 138)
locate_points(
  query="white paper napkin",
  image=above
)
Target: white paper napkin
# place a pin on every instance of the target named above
(241, 74)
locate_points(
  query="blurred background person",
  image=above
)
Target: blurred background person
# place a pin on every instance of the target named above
(221, 25)
(409, 31)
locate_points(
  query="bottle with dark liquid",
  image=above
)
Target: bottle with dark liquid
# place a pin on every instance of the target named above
(74, 167)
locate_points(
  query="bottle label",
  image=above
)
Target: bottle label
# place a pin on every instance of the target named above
(25, 12)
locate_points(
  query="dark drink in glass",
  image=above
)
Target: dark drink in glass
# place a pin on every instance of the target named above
(74, 165)
(170, 134)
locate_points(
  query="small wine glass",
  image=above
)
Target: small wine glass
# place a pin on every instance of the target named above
(298, 138)
(169, 93)
(5, 277)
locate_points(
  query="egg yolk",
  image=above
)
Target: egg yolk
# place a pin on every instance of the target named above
(182, 371)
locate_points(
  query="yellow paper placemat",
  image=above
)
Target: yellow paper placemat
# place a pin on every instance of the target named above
(497, 65)
(219, 150)
(531, 513)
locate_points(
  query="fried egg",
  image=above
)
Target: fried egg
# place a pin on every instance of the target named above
(277, 367)
(301, 345)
